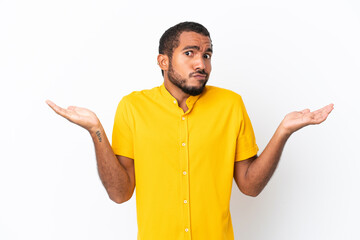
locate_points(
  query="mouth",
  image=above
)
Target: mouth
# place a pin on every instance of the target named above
(199, 76)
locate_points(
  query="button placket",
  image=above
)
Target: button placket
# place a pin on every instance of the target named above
(184, 148)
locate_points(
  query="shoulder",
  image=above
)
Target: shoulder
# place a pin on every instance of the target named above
(219, 94)
(138, 97)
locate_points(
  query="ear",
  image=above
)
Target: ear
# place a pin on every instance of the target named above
(163, 62)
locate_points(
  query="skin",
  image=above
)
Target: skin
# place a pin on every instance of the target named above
(191, 57)
(186, 61)
(251, 175)
(116, 172)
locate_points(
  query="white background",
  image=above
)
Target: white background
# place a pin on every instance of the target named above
(281, 56)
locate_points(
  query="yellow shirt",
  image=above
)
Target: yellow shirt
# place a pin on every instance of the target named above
(184, 162)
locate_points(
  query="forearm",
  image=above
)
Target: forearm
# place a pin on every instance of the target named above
(262, 168)
(257, 173)
(112, 174)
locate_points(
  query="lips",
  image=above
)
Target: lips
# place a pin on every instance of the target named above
(199, 76)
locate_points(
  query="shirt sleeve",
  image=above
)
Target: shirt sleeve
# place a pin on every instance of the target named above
(246, 146)
(122, 135)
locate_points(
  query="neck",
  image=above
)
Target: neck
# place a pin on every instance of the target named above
(176, 92)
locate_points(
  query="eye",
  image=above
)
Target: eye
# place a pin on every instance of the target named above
(188, 53)
(207, 56)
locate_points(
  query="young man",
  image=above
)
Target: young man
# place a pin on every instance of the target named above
(186, 142)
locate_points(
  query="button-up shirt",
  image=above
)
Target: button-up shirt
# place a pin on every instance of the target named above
(184, 161)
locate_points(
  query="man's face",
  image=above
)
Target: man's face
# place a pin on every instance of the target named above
(190, 65)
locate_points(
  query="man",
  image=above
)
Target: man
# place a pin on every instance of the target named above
(186, 142)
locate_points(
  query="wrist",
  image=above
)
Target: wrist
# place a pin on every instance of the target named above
(283, 131)
(96, 128)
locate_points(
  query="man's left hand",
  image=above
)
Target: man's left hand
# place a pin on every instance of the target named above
(297, 120)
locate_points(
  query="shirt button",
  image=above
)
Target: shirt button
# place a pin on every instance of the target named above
(186, 230)
(174, 101)
(183, 144)
(185, 201)
(183, 118)
(184, 172)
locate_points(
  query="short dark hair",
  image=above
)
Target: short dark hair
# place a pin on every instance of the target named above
(170, 39)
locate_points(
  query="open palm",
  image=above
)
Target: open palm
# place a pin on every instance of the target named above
(80, 116)
(297, 120)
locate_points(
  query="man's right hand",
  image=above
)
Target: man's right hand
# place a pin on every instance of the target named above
(80, 116)
(116, 172)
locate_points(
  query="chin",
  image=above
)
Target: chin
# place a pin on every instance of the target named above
(194, 90)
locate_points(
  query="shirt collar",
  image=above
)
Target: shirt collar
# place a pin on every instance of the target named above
(190, 101)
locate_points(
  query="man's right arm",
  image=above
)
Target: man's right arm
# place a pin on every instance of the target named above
(116, 172)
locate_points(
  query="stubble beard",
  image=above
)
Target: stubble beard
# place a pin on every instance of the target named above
(180, 82)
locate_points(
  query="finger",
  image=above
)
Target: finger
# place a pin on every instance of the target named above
(305, 111)
(50, 103)
(327, 109)
(62, 112)
(322, 114)
(330, 107)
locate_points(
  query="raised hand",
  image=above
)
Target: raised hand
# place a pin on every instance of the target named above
(80, 116)
(297, 120)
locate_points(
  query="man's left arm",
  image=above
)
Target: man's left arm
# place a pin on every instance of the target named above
(252, 175)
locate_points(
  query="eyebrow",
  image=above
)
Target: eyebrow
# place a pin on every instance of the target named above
(197, 48)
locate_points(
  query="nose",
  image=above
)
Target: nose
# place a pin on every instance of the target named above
(199, 63)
